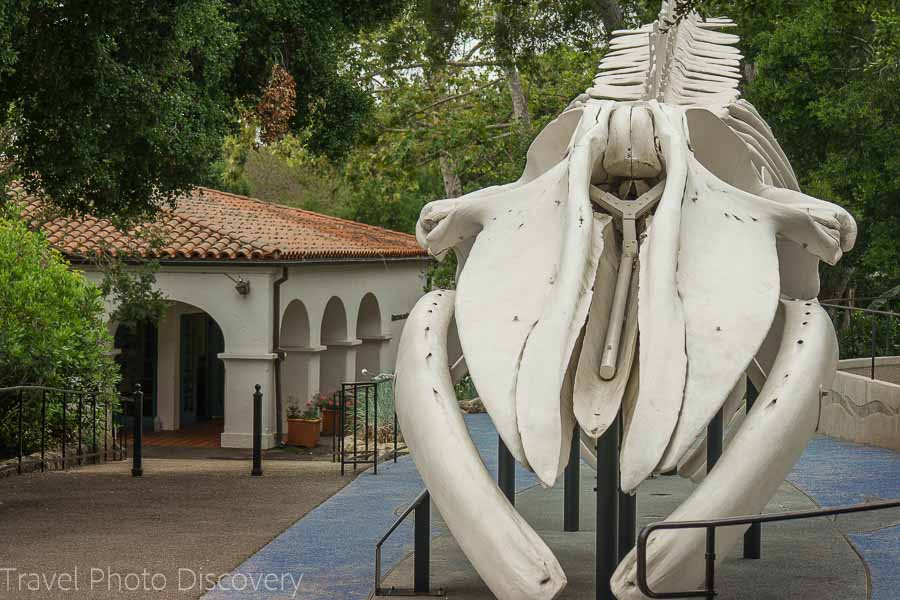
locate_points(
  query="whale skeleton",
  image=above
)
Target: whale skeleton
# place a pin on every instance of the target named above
(654, 251)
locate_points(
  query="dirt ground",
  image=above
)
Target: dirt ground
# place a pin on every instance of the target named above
(97, 532)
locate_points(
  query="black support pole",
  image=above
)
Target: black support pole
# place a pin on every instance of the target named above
(571, 505)
(506, 471)
(627, 523)
(627, 508)
(137, 464)
(257, 433)
(753, 536)
(422, 548)
(606, 553)
(714, 435)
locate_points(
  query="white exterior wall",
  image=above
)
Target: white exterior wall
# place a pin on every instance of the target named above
(246, 323)
(860, 409)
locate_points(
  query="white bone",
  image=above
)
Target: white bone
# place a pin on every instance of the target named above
(771, 439)
(509, 556)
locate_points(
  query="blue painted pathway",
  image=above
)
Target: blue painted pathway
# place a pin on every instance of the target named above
(332, 547)
(835, 473)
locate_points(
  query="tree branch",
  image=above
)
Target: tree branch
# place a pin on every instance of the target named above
(456, 97)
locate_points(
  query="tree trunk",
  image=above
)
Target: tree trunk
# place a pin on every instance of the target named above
(519, 102)
(612, 16)
(452, 184)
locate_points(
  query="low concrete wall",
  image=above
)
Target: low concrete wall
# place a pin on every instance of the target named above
(887, 368)
(860, 409)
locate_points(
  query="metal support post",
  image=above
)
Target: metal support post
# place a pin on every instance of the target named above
(606, 555)
(137, 466)
(257, 432)
(422, 548)
(571, 504)
(506, 471)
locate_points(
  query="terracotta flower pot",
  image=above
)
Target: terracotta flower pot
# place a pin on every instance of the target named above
(304, 432)
(330, 420)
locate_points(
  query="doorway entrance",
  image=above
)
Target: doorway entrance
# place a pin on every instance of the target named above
(137, 359)
(202, 372)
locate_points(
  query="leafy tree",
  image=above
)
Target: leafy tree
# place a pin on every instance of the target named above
(825, 76)
(52, 327)
(116, 107)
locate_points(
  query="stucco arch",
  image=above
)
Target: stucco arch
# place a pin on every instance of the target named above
(337, 360)
(334, 322)
(368, 320)
(369, 332)
(188, 327)
(295, 329)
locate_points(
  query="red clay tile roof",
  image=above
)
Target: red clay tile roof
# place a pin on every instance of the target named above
(212, 225)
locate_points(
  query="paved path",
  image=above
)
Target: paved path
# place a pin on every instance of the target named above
(181, 519)
(833, 473)
(333, 546)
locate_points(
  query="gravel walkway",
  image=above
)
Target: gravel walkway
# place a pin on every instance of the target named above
(168, 534)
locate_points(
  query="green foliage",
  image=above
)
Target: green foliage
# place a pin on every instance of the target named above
(117, 107)
(52, 326)
(132, 290)
(286, 172)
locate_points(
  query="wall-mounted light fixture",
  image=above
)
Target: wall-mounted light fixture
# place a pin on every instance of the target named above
(241, 285)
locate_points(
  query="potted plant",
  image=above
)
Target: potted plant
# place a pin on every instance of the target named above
(304, 423)
(328, 404)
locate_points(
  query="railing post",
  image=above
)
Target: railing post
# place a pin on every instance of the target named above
(106, 426)
(571, 505)
(257, 432)
(874, 351)
(43, 429)
(753, 536)
(94, 453)
(375, 429)
(20, 444)
(65, 428)
(395, 433)
(343, 427)
(607, 535)
(137, 466)
(506, 471)
(422, 548)
(78, 452)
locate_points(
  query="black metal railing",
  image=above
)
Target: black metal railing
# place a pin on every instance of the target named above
(881, 324)
(421, 551)
(359, 421)
(74, 419)
(710, 525)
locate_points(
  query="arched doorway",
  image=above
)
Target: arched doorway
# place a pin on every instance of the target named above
(136, 344)
(334, 338)
(201, 371)
(300, 370)
(190, 376)
(368, 330)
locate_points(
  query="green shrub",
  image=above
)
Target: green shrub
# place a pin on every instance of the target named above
(52, 333)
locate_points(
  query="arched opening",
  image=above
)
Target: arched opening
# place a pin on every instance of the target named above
(187, 384)
(299, 358)
(368, 329)
(334, 338)
(295, 325)
(137, 356)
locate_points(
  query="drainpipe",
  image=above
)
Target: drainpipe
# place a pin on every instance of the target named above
(276, 349)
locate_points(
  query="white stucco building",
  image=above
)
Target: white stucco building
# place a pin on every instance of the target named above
(260, 293)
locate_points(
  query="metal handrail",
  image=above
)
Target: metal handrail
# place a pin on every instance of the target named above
(421, 550)
(710, 525)
(66, 397)
(873, 311)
